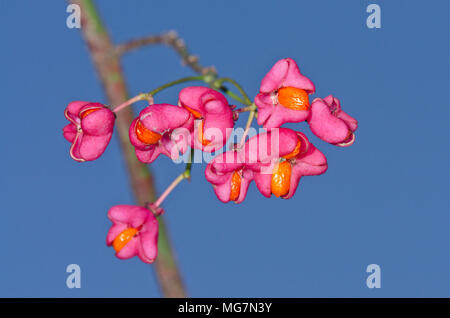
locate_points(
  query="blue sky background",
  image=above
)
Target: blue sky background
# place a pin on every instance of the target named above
(385, 200)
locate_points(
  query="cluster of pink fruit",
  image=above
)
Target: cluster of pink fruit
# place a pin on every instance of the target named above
(275, 159)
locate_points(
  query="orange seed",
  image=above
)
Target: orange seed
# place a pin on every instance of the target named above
(235, 186)
(86, 112)
(201, 138)
(123, 238)
(146, 135)
(281, 179)
(295, 152)
(196, 114)
(293, 98)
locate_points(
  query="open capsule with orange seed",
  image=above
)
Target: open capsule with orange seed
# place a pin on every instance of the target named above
(229, 176)
(278, 171)
(89, 131)
(200, 127)
(213, 117)
(284, 95)
(151, 133)
(134, 232)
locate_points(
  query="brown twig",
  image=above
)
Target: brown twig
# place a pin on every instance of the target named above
(172, 40)
(111, 76)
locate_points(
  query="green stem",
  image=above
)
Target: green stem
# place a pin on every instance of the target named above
(231, 94)
(187, 170)
(216, 84)
(185, 175)
(251, 116)
(246, 109)
(150, 95)
(199, 78)
(246, 100)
